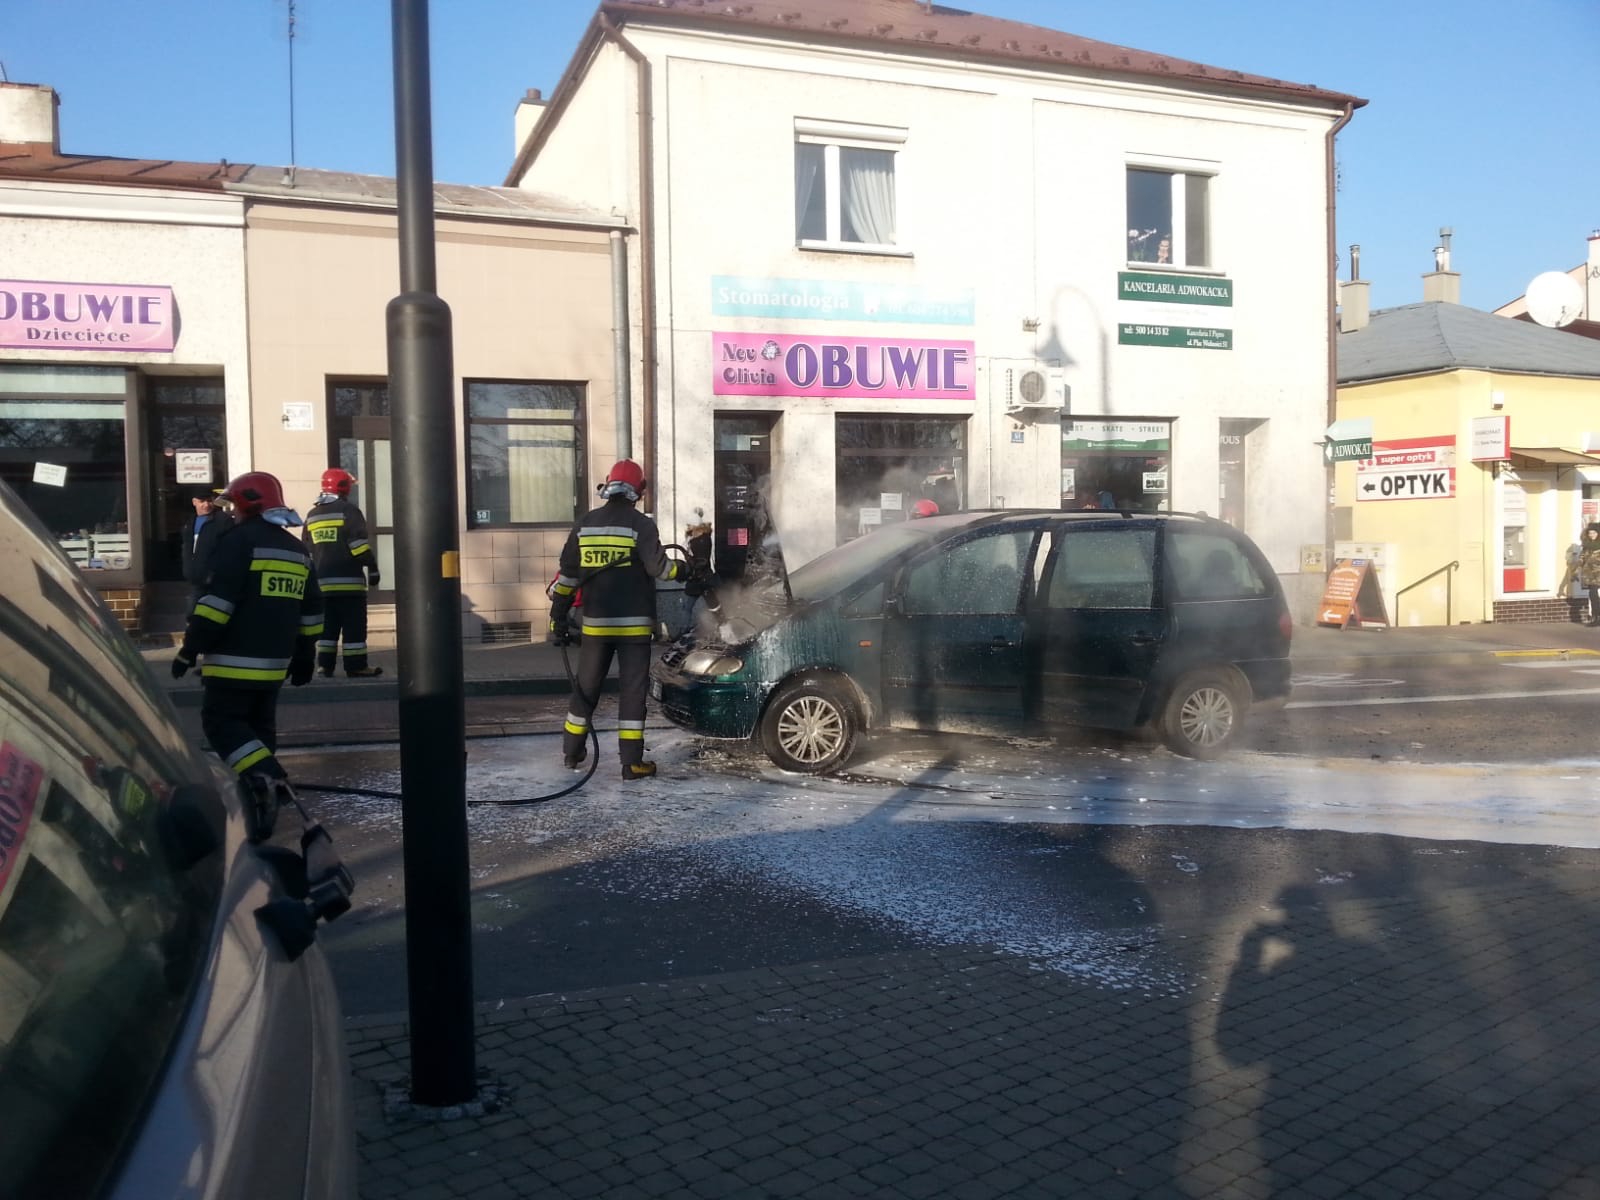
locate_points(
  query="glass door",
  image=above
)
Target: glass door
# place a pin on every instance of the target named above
(358, 427)
(186, 452)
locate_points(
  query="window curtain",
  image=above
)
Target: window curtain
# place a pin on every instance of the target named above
(868, 196)
(807, 174)
(540, 462)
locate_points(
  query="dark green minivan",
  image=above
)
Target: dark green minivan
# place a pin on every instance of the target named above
(994, 622)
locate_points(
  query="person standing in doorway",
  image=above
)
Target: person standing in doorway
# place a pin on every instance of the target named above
(1589, 570)
(254, 628)
(614, 555)
(346, 566)
(200, 539)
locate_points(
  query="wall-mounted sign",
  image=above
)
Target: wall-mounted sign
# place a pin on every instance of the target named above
(1174, 289)
(1188, 337)
(1155, 481)
(50, 474)
(1491, 439)
(1138, 436)
(1409, 469)
(840, 300)
(757, 364)
(86, 316)
(298, 417)
(193, 466)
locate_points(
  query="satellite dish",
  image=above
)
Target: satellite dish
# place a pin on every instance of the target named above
(1554, 299)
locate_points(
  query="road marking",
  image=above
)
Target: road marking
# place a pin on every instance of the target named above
(1546, 664)
(1565, 650)
(1442, 699)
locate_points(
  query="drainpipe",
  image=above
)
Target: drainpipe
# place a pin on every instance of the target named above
(647, 241)
(1329, 169)
(622, 362)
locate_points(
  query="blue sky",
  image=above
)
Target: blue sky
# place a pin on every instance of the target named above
(1477, 117)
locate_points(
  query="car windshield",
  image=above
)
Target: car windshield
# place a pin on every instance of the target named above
(824, 576)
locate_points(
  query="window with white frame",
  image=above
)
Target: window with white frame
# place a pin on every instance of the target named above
(844, 185)
(1169, 217)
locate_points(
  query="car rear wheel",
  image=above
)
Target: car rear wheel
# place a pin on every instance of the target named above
(809, 727)
(1204, 714)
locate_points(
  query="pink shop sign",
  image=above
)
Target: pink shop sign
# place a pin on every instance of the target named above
(759, 364)
(36, 315)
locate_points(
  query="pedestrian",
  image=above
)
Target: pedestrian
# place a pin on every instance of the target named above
(614, 554)
(199, 539)
(346, 566)
(255, 627)
(1589, 570)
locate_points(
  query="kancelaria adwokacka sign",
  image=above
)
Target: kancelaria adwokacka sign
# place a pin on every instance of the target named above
(758, 364)
(37, 315)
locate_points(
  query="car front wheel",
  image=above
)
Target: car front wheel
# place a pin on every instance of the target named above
(1204, 714)
(809, 727)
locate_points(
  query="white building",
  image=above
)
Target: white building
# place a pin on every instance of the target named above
(891, 250)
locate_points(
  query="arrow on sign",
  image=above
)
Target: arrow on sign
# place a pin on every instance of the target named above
(1369, 487)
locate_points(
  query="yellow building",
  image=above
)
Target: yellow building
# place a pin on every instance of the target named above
(1479, 480)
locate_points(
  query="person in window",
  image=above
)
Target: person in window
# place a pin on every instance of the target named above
(1164, 250)
(614, 554)
(1589, 570)
(336, 538)
(255, 627)
(199, 539)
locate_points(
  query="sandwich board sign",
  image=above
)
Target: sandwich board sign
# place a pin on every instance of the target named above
(1352, 597)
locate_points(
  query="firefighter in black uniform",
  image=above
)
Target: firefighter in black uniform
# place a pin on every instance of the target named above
(614, 554)
(255, 626)
(346, 565)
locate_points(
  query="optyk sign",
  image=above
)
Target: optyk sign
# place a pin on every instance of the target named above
(757, 364)
(85, 316)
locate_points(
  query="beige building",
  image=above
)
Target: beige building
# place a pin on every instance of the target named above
(165, 326)
(1485, 461)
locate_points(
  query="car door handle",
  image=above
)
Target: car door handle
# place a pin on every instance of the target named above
(1144, 639)
(1001, 643)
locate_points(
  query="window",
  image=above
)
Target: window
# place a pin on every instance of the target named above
(983, 575)
(358, 440)
(64, 449)
(1168, 218)
(524, 453)
(1211, 566)
(844, 185)
(886, 464)
(1104, 568)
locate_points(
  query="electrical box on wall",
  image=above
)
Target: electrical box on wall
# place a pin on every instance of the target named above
(1019, 385)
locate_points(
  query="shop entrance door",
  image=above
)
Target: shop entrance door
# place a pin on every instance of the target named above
(359, 432)
(184, 418)
(742, 483)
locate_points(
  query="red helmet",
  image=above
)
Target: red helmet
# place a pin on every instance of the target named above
(253, 493)
(924, 508)
(626, 478)
(336, 481)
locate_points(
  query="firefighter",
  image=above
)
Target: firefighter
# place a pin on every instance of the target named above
(614, 554)
(923, 508)
(255, 625)
(346, 564)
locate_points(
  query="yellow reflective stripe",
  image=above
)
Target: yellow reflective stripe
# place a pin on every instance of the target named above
(562, 589)
(264, 674)
(630, 735)
(278, 564)
(250, 760)
(616, 630)
(330, 588)
(311, 630)
(211, 614)
(576, 730)
(356, 550)
(601, 539)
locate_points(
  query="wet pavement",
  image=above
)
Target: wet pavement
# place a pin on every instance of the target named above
(1046, 1008)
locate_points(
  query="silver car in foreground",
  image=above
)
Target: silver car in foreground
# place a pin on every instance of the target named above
(159, 1036)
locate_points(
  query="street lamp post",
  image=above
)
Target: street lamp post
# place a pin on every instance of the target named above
(428, 609)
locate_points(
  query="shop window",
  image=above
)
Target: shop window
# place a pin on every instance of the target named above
(524, 453)
(1168, 218)
(64, 450)
(1116, 464)
(844, 186)
(886, 464)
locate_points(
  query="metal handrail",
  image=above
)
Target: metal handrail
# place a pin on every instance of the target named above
(1449, 608)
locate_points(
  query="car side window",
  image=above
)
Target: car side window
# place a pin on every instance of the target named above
(1104, 568)
(1211, 566)
(868, 604)
(983, 575)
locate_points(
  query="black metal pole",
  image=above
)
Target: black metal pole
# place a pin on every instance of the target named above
(433, 780)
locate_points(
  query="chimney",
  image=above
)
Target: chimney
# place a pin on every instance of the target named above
(529, 109)
(28, 115)
(1442, 284)
(1355, 296)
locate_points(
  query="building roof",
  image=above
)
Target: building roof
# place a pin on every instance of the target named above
(922, 28)
(1420, 339)
(925, 27)
(39, 162)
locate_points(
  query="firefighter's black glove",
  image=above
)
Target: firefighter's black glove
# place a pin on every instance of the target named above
(300, 672)
(181, 665)
(373, 578)
(558, 634)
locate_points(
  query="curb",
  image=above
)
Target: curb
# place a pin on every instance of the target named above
(372, 693)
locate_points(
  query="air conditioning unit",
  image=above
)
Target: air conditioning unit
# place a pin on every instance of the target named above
(1016, 384)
